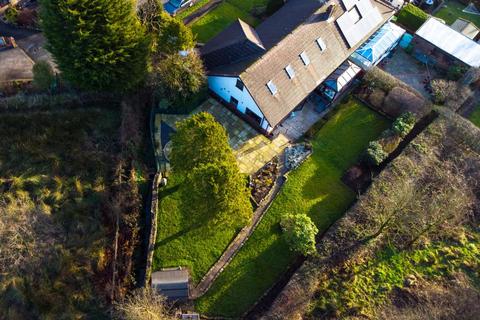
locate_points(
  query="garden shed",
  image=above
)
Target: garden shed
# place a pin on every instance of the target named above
(172, 283)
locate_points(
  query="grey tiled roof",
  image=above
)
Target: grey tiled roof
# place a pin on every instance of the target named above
(289, 32)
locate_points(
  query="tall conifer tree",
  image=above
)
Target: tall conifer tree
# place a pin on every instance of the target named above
(97, 44)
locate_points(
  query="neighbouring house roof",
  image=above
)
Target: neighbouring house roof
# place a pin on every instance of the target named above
(465, 27)
(377, 45)
(238, 41)
(172, 283)
(450, 41)
(292, 30)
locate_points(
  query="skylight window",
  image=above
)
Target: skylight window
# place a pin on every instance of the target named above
(305, 58)
(321, 44)
(290, 72)
(272, 87)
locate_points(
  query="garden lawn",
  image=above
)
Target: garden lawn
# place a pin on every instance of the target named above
(219, 18)
(181, 242)
(315, 189)
(475, 116)
(453, 11)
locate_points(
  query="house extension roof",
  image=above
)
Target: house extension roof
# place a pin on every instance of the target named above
(450, 41)
(289, 32)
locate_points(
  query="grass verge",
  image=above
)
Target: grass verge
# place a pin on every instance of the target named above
(180, 242)
(453, 10)
(314, 189)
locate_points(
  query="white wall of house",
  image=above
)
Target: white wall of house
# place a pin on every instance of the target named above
(225, 87)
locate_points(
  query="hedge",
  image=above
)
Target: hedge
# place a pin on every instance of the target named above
(412, 17)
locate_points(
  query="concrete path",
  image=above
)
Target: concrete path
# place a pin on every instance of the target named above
(241, 237)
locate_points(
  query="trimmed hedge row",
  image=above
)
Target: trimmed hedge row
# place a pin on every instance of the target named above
(412, 17)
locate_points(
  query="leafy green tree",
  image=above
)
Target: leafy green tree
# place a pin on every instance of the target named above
(178, 78)
(11, 15)
(97, 44)
(199, 140)
(170, 35)
(404, 124)
(43, 75)
(218, 193)
(299, 231)
(174, 36)
(214, 189)
(375, 153)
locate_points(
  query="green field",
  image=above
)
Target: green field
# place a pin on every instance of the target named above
(181, 241)
(453, 10)
(222, 16)
(475, 116)
(315, 189)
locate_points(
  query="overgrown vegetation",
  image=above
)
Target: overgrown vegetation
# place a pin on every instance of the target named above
(412, 17)
(391, 96)
(143, 304)
(54, 172)
(413, 231)
(378, 150)
(314, 189)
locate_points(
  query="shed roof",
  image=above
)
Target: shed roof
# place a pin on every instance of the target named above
(450, 41)
(170, 276)
(465, 27)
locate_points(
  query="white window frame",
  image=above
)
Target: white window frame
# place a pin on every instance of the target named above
(305, 58)
(272, 87)
(321, 44)
(290, 72)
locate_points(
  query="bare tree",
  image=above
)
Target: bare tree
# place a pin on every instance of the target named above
(27, 234)
(143, 304)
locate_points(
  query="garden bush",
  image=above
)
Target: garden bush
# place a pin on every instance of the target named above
(299, 232)
(376, 98)
(401, 100)
(404, 124)
(377, 78)
(375, 153)
(412, 17)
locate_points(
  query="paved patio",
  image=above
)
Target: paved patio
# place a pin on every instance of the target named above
(408, 69)
(252, 149)
(298, 123)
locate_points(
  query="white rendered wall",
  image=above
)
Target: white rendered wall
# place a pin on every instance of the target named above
(225, 87)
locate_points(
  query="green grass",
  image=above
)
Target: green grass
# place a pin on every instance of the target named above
(218, 19)
(453, 11)
(366, 285)
(315, 189)
(475, 116)
(180, 242)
